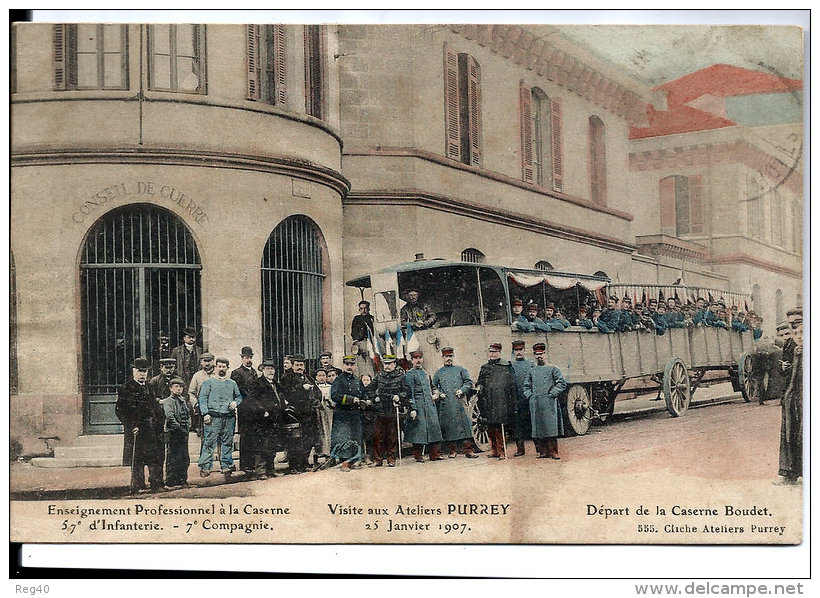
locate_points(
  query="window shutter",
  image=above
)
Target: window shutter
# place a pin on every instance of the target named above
(525, 125)
(597, 161)
(60, 57)
(474, 109)
(667, 206)
(696, 204)
(281, 63)
(253, 62)
(557, 145)
(451, 117)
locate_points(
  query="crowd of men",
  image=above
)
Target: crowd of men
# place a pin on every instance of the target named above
(622, 316)
(330, 417)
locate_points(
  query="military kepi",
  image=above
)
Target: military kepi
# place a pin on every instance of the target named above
(539, 348)
(495, 347)
(447, 351)
(518, 344)
(386, 358)
(417, 353)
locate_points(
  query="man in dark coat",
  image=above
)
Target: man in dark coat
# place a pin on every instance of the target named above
(521, 367)
(543, 387)
(420, 315)
(326, 363)
(264, 414)
(791, 423)
(159, 385)
(388, 391)
(143, 421)
(360, 327)
(187, 356)
(349, 399)
(245, 377)
(423, 428)
(303, 398)
(496, 398)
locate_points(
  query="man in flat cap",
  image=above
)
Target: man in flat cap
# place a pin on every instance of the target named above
(543, 388)
(143, 421)
(177, 426)
(496, 398)
(349, 398)
(207, 365)
(423, 428)
(521, 367)
(303, 397)
(418, 314)
(187, 355)
(219, 399)
(389, 393)
(245, 377)
(454, 385)
(159, 384)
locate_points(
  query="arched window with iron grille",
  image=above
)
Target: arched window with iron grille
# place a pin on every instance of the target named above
(543, 265)
(473, 255)
(139, 280)
(293, 288)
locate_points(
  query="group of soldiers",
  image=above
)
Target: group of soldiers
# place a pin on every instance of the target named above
(622, 316)
(332, 414)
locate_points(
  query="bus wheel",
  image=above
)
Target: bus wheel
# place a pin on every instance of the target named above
(676, 388)
(749, 386)
(480, 436)
(577, 412)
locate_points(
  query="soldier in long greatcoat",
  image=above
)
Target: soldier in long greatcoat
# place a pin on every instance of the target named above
(496, 398)
(349, 398)
(423, 427)
(543, 388)
(521, 367)
(143, 421)
(454, 385)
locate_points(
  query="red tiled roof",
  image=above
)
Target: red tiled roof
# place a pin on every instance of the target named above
(682, 119)
(724, 80)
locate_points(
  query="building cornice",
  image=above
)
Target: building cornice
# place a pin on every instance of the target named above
(522, 47)
(708, 154)
(745, 258)
(409, 152)
(484, 213)
(668, 246)
(281, 165)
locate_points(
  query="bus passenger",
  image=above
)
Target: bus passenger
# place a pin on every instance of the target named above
(583, 318)
(659, 317)
(419, 315)
(611, 316)
(519, 320)
(674, 315)
(700, 314)
(534, 321)
(551, 321)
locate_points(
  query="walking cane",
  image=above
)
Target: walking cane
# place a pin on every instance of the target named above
(504, 440)
(398, 432)
(133, 458)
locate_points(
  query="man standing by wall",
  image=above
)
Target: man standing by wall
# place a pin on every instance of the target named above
(143, 422)
(454, 385)
(218, 401)
(543, 387)
(187, 356)
(423, 427)
(245, 378)
(521, 367)
(496, 398)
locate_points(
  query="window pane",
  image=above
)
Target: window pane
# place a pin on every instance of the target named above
(493, 296)
(185, 40)
(87, 70)
(187, 78)
(161, 75)
(112, 38)
(112, 70)
(160, 39)
(86, 38)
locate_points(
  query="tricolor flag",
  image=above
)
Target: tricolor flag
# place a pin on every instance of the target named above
(410, 340)
(401, 345)
(389, 347)
(373, 352)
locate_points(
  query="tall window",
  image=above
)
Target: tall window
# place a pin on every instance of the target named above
(267, 63)
(681, 205)
(754, 213)
(779, 308)
(541, 138)
(315, 45)
(597, 161)
(90, 56)
(462, 107)
(776, 218)
(473, 255)
(177, 58)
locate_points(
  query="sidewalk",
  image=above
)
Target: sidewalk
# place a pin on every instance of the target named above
(27, 482)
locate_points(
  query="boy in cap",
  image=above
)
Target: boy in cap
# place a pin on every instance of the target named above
(543, 387)
(496, 398)
(424, 427)
(389, 393)
(177, 426)
(454, 385)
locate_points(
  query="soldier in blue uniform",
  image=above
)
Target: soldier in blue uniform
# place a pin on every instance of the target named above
(711, 318)
(629, 319)
(521, 367)
(543, 387)
(349, 398)
(552, 323)
(583, 318)
(611, 317)
(454, 385)
(534, 321)
(674, 315)
(519, 320)
(423, 427)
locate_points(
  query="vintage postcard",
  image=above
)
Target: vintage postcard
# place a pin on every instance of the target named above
(462, 283)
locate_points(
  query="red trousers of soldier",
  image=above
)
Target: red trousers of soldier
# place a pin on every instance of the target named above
(467, 444)
(496, 434)
(385, 439)
(547, 447)
(435, 451)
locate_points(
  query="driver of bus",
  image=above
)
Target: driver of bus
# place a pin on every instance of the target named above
(419, 315)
